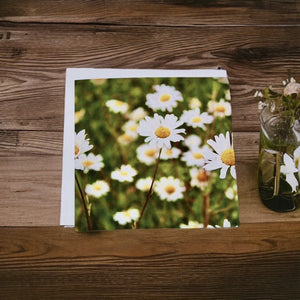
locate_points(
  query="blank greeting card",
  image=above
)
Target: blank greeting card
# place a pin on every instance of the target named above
(148, 149)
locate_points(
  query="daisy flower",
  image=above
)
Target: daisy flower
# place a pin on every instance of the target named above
(81, 143)
(231, 192)
(195, 156)
(191, 224)
(144, 184)
(161, 131)
(117, 106)
(137, 114)
(79, 115)
(130, 126)
(226, 224)
(97, 189)
(192, 140)
(170, 153)
(194, 103)
(127, 216)
(200, 178)
(125, 173)
(165, 98)
(194, 119)
(147, 154)
(169, 188)
(127, 137)
(89, 162)
(219, 109)
(297, 158)
(289, 169)
(223, 158)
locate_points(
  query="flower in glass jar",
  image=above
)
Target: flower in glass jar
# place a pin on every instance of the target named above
(297, 158)
(289, 169)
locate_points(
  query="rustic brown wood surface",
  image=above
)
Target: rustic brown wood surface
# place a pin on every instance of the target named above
(255, 41)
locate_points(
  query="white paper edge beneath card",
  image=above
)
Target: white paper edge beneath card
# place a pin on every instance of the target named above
(72, 74)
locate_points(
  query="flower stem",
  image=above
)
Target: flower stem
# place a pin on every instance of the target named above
(277, 175)
(149, 193)
(84, 204)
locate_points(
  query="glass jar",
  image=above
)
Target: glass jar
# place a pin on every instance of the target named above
(278, 180)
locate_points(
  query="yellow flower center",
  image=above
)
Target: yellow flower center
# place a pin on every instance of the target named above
(146, 187)
(97, 187)
(164, 97)
(168, 152)
(127, 214)
(124, 173)
(150, 152)
(170, 189)
(162, 132)
(202, 176)
(197, 120)
(76, 150)
(88, 163)
(133, 128)
(125, 137)
(227, 157)
(220, 108)
(198, 155)
(119, 103)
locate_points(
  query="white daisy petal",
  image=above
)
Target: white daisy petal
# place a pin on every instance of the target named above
(233, 172)
(81, 143)
(289, 169)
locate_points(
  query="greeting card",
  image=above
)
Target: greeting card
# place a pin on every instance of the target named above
(148, 149)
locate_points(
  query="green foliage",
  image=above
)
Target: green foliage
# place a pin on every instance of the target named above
(103, 129)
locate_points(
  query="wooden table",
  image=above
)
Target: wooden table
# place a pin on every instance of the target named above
(257, 42)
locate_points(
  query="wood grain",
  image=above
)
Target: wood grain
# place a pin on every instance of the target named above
(255, 41)
(31, 192)
(32, 69)
(159, 13)
(250, 262)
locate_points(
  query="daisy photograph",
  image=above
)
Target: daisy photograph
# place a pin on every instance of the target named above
(154, 152)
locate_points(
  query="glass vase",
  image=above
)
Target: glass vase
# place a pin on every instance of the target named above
(279, 137)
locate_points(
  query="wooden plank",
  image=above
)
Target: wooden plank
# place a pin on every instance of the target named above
(31, 190)
(159, 13)
(18, 143)
(253, 261)
(30, 194)
(34, 59)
